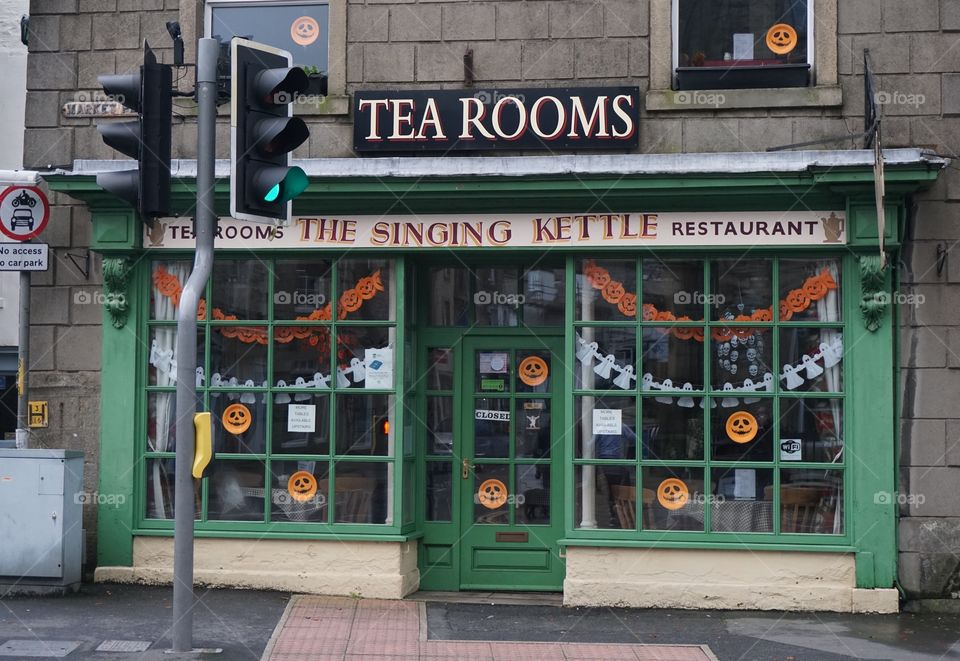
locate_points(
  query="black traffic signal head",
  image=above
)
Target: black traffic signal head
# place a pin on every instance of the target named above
(263, 132)
(146, 139)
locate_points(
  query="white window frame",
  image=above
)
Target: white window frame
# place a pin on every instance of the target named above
(675, 38)
(336, 101)
(823, 92)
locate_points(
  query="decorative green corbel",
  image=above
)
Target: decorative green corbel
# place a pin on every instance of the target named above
(116, 277)
(874, 300)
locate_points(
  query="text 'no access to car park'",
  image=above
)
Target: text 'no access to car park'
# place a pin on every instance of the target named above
(24, 257)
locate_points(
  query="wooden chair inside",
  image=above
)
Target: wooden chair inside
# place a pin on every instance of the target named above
(353, 498)
(625, 505)
(799, 508)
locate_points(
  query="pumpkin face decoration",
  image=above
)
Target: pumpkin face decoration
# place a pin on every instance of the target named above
(672, 493)
(741, 427)
(350, 300)
(302, 486)
(628, 305)
(797, 300)
(533, 370)
(366, 288)
(492, 494)
(781, 38)
(601, 279)
(815, 288)
(304, 30)
(613, 292)
(236, 418)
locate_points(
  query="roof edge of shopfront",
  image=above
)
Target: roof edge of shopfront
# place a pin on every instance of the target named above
(559, 165)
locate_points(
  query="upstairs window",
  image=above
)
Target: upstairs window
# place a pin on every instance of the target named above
(735, 44)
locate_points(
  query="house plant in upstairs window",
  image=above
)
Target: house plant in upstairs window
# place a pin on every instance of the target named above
(317, 81)
(741, 44)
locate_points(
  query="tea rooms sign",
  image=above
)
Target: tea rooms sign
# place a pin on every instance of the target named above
(595, 230)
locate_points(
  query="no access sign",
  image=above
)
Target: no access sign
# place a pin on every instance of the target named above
(24, 257)
(24, 212)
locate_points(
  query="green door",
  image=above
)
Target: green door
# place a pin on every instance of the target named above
(510, 464)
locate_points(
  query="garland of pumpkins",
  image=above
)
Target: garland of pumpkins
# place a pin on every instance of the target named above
(798, 300)
(351, 300)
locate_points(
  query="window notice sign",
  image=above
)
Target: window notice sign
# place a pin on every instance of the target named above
(24, 257)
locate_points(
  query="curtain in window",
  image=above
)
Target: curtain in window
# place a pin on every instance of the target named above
(828, 310)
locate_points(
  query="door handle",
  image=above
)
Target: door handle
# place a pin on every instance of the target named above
(465, 469)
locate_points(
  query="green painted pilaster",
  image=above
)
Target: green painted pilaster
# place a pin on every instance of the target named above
(118, 437)
(869, 346)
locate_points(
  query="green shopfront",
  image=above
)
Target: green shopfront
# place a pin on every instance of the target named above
(638, 380)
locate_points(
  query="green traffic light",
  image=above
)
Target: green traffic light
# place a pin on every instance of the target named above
(293, 183)
(273, 194)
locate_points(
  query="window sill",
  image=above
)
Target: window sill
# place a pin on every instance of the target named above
(820, 543)
(713, 100)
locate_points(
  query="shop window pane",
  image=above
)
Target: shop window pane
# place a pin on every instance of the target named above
(491, 427)
(605, 497)
(236, 491)
(606, 358)
(534, 370)
(812, 359)
(743, 432)
(360, 492)
(439, 490)
(301, 423)
(673, 286)
(810, 290)
(811, 501)
(240, 289)
(743, 500)
(439, 369)
(364, 423)
(741, 360)
(673, 430)
(543, 297)
(607, 424)
(295, 494)
(673, 358)
(449, 296)
(298, 27)
(533, 428)
(163, 356)
(491, 489)
(365, 357)
(239, 422)
(167, 280)
(162, 420)
(301, 289)
(673, 499)
(724, 34)
(811, 429)
(606, 290)
(301, 357)
(741, 289)
(365, 289)
(493, 371)
(439, 425)
(238, 356)
(160, 486)
(532, 504)
(497, 299)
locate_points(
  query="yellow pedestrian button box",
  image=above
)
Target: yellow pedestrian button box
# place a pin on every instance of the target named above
(202, 443)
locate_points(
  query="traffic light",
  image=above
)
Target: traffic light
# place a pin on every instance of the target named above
(147, 139)
(263, 132)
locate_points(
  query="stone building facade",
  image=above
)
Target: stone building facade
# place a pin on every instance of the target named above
(421, 44)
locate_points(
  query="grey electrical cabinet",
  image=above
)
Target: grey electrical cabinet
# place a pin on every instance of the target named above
(41, 496)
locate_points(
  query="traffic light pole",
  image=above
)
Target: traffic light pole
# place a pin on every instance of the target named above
(208, 51)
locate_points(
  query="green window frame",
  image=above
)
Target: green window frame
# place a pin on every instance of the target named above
(397, 519)
(779, 536)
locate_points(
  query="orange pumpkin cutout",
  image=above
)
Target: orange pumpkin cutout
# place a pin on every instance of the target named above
(613, 292)
(304, 30)
(628, 305)
(673, 493)
(492, 494)
(601, 279)
(302, 486)
(781, 38)
(351, 300)
(533, 370)
(649, 312)
(236, 418)
(741, 427)
(366, 288)
(785, 312)
(815, 288)
(797, 300)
